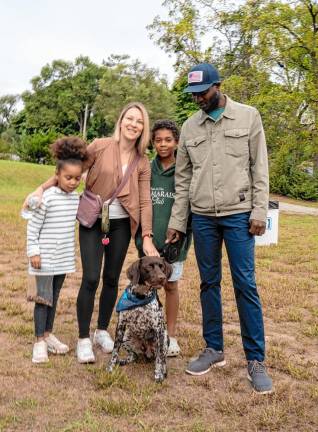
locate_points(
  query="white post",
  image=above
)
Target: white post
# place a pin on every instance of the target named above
(85, 121)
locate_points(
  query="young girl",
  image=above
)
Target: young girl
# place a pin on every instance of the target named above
(51, 243)
(165, 136)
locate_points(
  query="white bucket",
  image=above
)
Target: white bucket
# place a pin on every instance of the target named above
(271, 234)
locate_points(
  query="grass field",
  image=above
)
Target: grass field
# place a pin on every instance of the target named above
(67, 397)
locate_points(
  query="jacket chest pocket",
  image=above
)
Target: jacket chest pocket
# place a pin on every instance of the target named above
(197, 149)
(236, 142)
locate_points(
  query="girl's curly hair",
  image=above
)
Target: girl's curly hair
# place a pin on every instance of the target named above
(69, 150)
(165, 124)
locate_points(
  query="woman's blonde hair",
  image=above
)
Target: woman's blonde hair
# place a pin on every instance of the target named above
(143, 141)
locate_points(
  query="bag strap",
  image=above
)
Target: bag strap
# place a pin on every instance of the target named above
(127, 174)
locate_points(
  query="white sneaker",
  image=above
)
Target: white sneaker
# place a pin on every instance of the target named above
(55, 346)
(39, 354)
(174, 349)
(103, 339)
(84, 351)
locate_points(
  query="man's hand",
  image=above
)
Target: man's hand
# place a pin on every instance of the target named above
(35, 261)
(257, 227)
(173, 235)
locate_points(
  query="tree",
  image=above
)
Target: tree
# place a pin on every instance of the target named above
(84, 98)
(288, 44)
(185, 106)
(180, 34)
(124, 81)
(195, 23)
(61, 95)
(7, 110)
(267, 52)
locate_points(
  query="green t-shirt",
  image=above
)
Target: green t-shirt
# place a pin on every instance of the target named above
(162, 195)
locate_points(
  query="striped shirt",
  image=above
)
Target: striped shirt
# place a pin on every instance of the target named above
(51, 232)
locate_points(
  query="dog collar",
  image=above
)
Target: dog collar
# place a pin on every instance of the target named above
(128, 300)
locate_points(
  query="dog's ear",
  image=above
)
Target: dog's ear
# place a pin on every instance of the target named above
(133, 272)
(167, 269)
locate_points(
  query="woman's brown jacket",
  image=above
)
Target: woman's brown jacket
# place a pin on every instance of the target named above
(105, 174)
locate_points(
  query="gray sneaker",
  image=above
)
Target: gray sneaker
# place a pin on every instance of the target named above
(208, 359)
(260, 380)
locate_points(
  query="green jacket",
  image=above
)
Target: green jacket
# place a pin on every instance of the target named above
(162, 195)
(221, 166)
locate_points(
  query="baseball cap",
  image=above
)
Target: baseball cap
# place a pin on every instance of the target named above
(201, 77)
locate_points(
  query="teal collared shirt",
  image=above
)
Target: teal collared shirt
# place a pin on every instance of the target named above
(216, 114)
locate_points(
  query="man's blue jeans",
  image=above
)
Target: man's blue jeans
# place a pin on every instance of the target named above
(208, 234)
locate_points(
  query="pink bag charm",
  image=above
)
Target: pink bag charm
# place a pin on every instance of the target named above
(105, 240)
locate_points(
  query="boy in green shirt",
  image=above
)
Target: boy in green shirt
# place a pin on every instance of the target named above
(165, 137)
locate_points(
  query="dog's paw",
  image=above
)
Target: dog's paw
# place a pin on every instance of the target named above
(110, 368)
(159, 377)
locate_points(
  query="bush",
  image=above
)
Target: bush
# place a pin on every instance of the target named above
(4, 149)
(35, 147)
(287, 177)
(8, 138)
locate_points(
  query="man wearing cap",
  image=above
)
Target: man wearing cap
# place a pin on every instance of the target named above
(222, 172)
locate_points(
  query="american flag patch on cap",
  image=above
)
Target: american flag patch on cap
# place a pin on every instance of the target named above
(195, 77)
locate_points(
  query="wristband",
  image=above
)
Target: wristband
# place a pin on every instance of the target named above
(147, 235)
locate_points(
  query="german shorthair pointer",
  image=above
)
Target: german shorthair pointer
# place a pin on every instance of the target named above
(141, 328)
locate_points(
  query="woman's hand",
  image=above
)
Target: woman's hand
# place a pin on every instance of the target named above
(148, 247)
(52, 181)
(35, 261)
(38, 192)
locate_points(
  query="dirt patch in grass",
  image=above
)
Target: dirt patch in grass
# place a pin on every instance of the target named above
(65, 396)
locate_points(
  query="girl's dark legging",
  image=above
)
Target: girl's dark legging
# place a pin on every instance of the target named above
(92, 252)
(44, 315)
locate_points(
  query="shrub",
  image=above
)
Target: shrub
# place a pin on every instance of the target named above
(288, 178)
(8, 138)
(35, 147)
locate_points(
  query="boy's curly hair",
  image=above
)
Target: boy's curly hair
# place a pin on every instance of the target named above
(165, 124)
(69, 150)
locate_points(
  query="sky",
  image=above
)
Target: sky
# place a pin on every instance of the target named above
(36, 32)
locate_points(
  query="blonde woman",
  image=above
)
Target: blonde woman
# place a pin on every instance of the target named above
(108, 159)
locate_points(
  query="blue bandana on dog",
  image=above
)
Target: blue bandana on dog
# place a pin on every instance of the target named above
(128, 300)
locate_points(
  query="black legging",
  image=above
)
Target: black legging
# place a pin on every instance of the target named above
(92, 251)
(44, 315)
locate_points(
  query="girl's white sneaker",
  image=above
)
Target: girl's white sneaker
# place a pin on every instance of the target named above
(55, 346)
(84, 351)
(174, 349)
(39, 354)
(103, 339)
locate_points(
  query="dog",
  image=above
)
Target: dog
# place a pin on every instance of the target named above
(141, 328)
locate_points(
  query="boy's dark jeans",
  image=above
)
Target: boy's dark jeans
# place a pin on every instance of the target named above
(209, 233)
